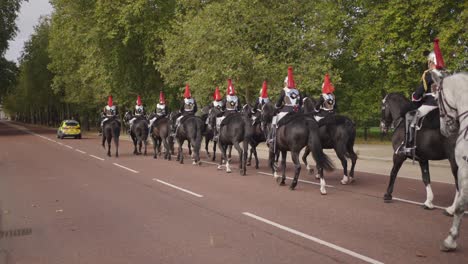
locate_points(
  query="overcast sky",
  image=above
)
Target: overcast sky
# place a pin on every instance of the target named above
(27, 18)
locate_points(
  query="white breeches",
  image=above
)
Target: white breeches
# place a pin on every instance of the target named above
(278, 117)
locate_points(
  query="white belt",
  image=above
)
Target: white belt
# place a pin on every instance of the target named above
(429, 94)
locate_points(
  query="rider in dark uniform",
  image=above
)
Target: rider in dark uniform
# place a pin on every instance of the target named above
(231, 105)
(423, 98)
(289, 101)
(327, 101)
(188, 107)
(161, 110)
(109, 111)
(137, 114)
(262, 98)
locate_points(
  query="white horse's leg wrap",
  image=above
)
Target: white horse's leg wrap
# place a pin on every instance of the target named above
(429, 197)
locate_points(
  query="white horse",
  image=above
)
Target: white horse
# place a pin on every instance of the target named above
(452, 94)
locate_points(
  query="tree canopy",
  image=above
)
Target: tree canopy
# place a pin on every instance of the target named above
(140, 47)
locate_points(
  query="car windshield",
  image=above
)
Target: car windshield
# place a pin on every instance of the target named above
(71, 123)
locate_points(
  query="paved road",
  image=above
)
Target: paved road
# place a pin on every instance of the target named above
(64, 201)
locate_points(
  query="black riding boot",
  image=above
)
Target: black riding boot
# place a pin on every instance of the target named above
(410, 126)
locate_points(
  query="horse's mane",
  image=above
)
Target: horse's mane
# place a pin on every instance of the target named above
(403, 102)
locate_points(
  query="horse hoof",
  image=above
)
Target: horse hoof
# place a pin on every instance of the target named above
(387, 198)
(248, 164)
(194, 163)
(292, 187)
(241, 172)
(447, 246)
(275, 175)
(228, 171)
(219, 167)
(317, 176)
(447, 213)
(323, 192)
(425, 207)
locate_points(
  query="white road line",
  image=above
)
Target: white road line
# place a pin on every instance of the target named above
(305, 181)
(417, 203)
(60, 143)
(96, 157)
(123, 167)
(314, 239)
(70, 147)
(178, 188)
(80, 151)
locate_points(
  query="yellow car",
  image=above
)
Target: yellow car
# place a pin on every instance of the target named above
(69, 128)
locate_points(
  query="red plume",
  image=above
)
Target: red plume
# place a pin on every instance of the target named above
(230, 88)
(291, 83)
(264, 90)
(138, 100)
(187, 93)
(109, 101)
(439, 59)
(327, 87)
(217, 95)
(162, 100)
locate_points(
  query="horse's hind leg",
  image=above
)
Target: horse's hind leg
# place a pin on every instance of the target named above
(424, 164)
(241, 156)
(283, 167)
(146, 146)
(353, 157)
(309, 168)
(449, 211)
(341, 156)
(397, 162)
(109, 146)
(450, 243)
(155, 147)
(214, 151)
(297, 169)
(256, 156)
(207, 141)
(180, 155)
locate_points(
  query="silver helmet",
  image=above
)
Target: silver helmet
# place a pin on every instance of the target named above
(432, 57)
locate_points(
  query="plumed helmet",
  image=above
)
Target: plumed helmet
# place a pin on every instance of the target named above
(138, 101)
(187, 93)
(162, 100)
(327, 86)
(290, 78)
(217, 95)
(230, 89)
(263, 91)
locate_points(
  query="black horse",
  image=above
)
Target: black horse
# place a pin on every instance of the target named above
(209, 133)
(336, 132)
(191, 128)
(160, 136)
(294, 132)
(430, 143)
(111, 129)
(258, 135)
(138, 133)
(235, 128)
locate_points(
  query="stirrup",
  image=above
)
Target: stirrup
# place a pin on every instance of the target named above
(215, 138)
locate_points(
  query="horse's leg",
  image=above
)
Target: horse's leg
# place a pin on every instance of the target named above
(271, 160)
(145, 142)
(249, 160)
(155, 147)
(246, 150)
(426, 177)
(220, 146)
(206, 147)
(214, 151)
(297, 169)
(450, 243)
(353, 157)
(254, 149)
(230, 152)
(283, 167)
(116, 143)
(449, 211)
(309, 168)
(340, 153)
(323, 191)
(397, 162)
(241, 156)
(181, 152)
(109, 146)
(135, 152)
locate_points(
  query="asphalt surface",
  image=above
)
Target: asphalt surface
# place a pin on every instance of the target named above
(65, 201)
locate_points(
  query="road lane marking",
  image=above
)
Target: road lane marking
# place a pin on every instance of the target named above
(80, 151)
(70, 147)
(60, 143)
(417, 203)
(289, 178)
(126, 168)
(96, 157)
(178, 188)
(314, 239)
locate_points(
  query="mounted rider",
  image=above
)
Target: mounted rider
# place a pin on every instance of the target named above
(289, 101)
(327, 101)
(218, 101)
(138, 113)
(188, 107)
(423, 98)
(262, 98)
(161, 109)
(231, 105)
(109, 111)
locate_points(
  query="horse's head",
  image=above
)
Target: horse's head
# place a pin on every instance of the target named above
(393, 106)
(128, 115)
(308, 105)
(266, 116)
(247, 110)
(446, 98)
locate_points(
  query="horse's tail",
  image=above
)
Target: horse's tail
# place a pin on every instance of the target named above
(315, 147)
